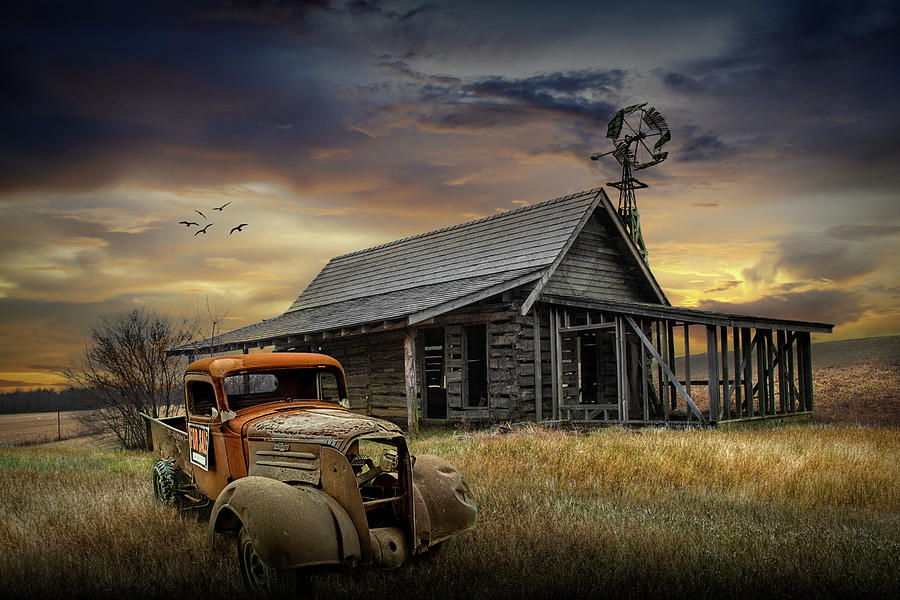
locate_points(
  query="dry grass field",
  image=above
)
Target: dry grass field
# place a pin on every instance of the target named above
(784, 511)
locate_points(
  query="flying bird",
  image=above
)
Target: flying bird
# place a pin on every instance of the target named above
(204, 229)
(219, 208)
(188, 223)
(199, 213)
(238, 228)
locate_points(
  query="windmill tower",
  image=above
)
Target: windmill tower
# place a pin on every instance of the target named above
(638, 135)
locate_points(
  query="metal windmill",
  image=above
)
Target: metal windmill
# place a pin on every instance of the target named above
(638, 133)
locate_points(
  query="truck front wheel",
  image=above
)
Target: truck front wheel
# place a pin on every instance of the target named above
(165, 489)
(262, 580)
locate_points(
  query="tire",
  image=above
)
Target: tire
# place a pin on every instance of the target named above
(263, 581)
(165, 489)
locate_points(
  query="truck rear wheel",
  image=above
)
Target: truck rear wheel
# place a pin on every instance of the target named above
(165, 489)
(260, 579)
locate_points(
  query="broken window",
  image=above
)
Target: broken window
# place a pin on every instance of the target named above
(435, 384)
(201, 397)
(475, 375)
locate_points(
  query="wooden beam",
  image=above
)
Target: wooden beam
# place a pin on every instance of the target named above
(538, 384)
(589, 327)
(726, 406)
(805, 351)
(554, 366)
(782, 380)
(736, 355)
(645, 394)
(409, 360)
(687, 360)
(688, 315)
(748, 370)
(712, 366)
(790, 374)
(666, 368)
(673, 395)
(660, 348)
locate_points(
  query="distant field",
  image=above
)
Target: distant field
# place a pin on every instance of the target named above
(41, 428)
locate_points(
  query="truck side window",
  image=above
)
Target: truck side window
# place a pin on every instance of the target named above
(201, 397)
(328, 388)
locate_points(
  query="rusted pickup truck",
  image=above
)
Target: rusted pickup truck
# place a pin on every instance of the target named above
(302, 481)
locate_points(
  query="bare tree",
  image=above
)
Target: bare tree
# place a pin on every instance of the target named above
(125, 371)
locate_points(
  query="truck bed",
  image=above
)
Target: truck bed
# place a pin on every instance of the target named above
(169, 438)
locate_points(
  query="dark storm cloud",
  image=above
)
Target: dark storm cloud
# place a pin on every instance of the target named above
(817, 79)
(822, 306)
(93, 93)
(478, 102)
(679, 82)
(377, 7)
(698, 145)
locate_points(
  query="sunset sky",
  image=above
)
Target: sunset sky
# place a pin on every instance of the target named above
(332, 126)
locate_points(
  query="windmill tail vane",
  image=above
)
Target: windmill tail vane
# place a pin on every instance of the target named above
(638, 133)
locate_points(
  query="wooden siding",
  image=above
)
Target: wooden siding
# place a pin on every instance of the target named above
(595, 268)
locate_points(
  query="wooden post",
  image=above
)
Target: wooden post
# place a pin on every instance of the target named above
(660, 350)
(620, 372)
(409, 362)
(645, 393)
(804, 366)
(736, 337)
(712, 366)
(687, 363)
(761, 375)
(748, 371)
(790, 372)
(770, 383)
(673, 393)
(782, 384)
(726, 401)
(555, 356)
(538, 384)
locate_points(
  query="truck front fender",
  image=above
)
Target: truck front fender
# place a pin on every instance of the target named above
(444, 505)
(290, 526)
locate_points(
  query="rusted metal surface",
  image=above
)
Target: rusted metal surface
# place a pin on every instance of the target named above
(223, 366)
(445, 498)
(290, 526)
(336, 426)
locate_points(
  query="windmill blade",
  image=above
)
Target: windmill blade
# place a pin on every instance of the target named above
(665, 137)
(657, 158)
(614, 130)
(623, 154)
(654, 119)
(630, 109)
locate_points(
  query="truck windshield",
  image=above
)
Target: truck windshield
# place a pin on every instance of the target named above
(249, 389)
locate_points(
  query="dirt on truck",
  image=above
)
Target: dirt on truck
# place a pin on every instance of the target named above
(268, 441)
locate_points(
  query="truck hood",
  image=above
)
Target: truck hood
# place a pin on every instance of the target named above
(336, 426)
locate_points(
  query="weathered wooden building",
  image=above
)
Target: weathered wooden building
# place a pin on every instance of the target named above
(546, 312)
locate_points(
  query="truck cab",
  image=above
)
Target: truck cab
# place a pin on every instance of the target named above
(303, 482)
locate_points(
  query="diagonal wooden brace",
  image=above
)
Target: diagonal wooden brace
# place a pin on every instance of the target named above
(669, 374)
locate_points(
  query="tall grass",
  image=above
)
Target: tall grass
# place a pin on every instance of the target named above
(780, 512)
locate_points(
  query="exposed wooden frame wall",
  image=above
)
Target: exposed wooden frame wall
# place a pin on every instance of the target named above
(752, 372)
